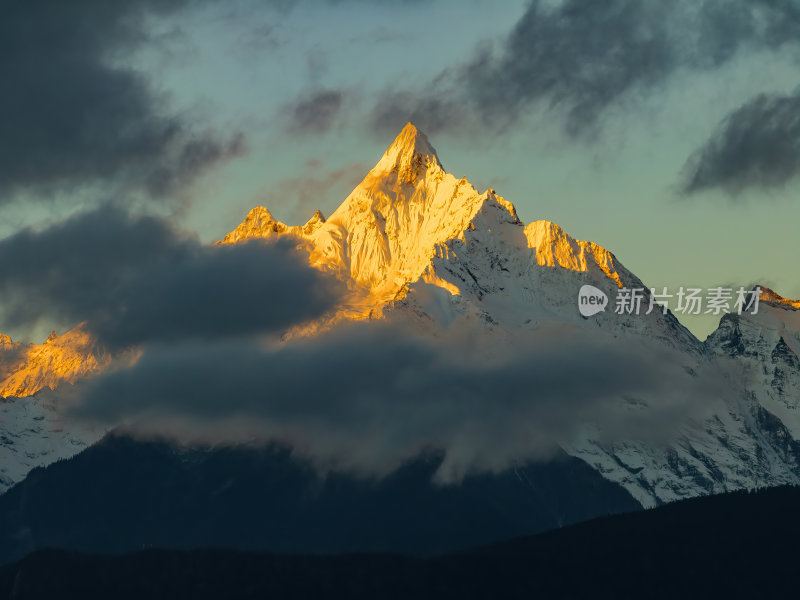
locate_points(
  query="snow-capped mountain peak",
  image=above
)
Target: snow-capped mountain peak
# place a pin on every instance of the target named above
(409, 220)
(392, 225)
(409, 155)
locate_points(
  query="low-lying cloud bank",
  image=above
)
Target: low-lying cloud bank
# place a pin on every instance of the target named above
(367, 397)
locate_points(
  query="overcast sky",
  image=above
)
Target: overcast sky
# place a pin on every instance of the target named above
(667, 132)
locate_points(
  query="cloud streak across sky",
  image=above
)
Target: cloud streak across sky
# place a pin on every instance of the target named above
(755, 146)
(583, 58)
(368, 397)
(315, 112)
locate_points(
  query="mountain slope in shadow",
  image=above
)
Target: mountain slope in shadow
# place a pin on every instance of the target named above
(122, 495)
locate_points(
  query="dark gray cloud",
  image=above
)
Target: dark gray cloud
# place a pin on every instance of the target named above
(581, 58)
(757, 145)
(70, 116)
(369, 396)
(314, 112)
(137, 279)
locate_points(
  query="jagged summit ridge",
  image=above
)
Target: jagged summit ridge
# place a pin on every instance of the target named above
(409, 154)
(259, 223)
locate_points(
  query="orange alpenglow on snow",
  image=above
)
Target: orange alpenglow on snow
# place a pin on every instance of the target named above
(768, 295)
(407, 213)
(60, 359)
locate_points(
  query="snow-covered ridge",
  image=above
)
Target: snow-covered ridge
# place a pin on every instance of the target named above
(60, 359)
(554, 247)
(33, 435)
(31, 431)
(259, 223)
